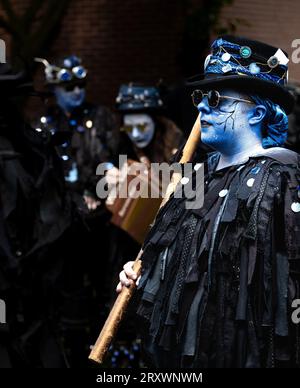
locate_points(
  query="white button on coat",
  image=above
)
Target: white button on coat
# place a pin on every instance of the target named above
(223, 193)
(250, 182)
(295, 207)
(184, 180)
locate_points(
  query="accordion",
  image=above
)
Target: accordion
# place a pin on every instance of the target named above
(136, 200)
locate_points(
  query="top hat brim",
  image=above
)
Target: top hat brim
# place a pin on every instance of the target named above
(14, 84)
(146, 110)
(250, 85)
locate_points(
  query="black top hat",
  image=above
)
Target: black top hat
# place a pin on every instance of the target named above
(13, 84)
(247, 66)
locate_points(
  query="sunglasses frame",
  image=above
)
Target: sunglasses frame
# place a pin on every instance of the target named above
(219, 97)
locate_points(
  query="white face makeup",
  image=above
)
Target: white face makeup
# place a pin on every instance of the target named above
(140, 128)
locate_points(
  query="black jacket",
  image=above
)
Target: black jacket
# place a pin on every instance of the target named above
(218, 282)
(35, 212)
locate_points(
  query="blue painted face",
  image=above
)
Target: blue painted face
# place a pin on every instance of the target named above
(69, 100)
(226, 127)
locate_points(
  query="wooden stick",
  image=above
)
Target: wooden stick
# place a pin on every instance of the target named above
(116, 315)
(187, 154)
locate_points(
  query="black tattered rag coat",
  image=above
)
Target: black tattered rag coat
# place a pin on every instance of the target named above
(218, 282)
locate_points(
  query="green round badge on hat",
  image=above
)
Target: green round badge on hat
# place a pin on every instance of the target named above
(245, 51)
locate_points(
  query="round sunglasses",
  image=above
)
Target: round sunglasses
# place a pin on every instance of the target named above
(69, 87)
(213, 98)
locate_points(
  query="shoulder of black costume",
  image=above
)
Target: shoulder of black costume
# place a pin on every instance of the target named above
(283, 156)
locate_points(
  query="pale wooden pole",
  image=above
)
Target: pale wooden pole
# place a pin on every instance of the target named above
(119, 308)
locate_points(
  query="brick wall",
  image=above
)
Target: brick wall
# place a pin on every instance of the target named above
(272, 21)
(120, 41)
(139, 40)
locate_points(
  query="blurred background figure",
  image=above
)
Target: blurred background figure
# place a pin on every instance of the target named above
(87, 132)
(147, 136)
(36, 214)
(146, 131)
(85, 136)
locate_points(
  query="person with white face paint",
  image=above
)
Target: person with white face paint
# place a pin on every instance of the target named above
(140, 128)
(218, 282)
(147, 136)
(85, 134)
(143, 122)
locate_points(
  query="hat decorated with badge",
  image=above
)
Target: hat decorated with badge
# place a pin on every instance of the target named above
(138, 98)
(248, 66)
(66, 71)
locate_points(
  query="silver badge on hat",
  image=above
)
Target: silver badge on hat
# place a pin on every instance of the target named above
(227, 68)
(226, 57)
(273, 62)
(253, 68)
(279, 58)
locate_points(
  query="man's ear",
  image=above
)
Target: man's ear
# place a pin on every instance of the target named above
(257, 114)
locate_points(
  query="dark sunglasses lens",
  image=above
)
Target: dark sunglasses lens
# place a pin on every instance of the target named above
(126, 128)
(142, 127)
(197, 97)
(213, 98)
(71, 87)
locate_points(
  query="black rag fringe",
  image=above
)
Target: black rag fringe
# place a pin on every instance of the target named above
(218, 282)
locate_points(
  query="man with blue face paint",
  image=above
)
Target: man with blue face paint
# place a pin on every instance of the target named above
(218, 282)
(69, 100)
(85, 133)
(234, 127)
(84, 136)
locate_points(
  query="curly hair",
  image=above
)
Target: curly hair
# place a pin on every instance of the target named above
(275, 125)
